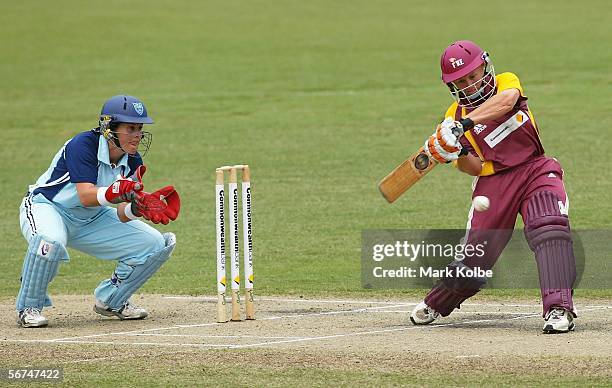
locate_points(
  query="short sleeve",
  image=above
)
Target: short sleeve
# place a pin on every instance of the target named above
(81, 156)
(507, 81)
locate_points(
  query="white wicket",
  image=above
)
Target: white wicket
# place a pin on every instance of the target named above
(247, 242)
(221, 280)
(234, 242)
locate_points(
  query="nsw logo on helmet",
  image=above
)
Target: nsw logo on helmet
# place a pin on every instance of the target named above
(456, 62)
(138, 107)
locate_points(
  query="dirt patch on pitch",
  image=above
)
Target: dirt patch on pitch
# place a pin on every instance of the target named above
(484, 336)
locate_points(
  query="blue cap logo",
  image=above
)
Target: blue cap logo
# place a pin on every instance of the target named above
(138, 107)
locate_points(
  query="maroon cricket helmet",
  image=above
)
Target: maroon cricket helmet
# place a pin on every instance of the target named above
(460, 59)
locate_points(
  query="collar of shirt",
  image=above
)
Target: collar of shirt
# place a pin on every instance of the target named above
(104, 154)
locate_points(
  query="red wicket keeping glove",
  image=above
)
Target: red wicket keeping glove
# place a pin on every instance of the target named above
(161, 206)
(122, 190)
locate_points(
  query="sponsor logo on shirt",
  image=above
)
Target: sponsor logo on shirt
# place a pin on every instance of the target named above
(506, 128)
(479, 128)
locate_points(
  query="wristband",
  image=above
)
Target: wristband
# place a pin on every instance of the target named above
(101, 196)
(129, 213)
(467, 124)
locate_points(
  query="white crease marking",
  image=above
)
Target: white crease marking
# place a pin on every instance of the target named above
(77, 340)
(211, 298)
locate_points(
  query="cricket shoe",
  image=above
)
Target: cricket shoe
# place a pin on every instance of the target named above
(558, 320)
(423, 314)
(31, 317)
(127, 311)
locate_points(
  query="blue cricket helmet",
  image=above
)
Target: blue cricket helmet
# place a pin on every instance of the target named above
(125, 109)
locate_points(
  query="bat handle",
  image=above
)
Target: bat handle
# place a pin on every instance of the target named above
(463, 124)
(458, 132)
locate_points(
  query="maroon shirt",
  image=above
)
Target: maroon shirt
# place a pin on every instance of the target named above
(507, 141)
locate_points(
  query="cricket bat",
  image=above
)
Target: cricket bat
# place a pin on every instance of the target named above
(405, 175)
(409, 172)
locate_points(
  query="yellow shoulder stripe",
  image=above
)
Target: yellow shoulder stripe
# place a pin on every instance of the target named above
(450, 112)
(507, 81)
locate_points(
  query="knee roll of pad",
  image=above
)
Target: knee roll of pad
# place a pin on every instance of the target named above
(169, 239)
(141, 273)
(40, 265)
(545, 221)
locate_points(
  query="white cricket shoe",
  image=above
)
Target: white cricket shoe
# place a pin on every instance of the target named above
(31, 317)
(558, 320)
(127, 311)
(423, 314)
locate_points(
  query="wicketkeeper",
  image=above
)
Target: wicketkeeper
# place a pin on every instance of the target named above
(90, 199)
(501, 147)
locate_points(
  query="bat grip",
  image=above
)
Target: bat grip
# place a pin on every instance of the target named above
(460, 129)
(458, 132)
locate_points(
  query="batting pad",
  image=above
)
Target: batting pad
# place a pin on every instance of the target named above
(39, 267)
(548, 234)
(140, 274)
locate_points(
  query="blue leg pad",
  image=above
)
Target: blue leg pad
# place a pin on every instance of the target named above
(116, 291)
(39, 267)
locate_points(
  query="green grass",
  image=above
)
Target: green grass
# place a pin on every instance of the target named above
(321, 98)
(241, 373)
(203, 375)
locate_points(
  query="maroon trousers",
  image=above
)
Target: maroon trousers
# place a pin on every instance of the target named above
(509, 193)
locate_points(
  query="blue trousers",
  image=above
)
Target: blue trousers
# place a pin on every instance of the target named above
(103, 236)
